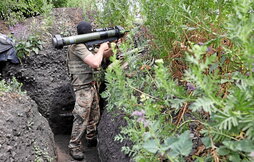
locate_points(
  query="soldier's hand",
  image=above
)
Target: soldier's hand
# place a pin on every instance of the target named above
(104, 46)
(107, 53)
(119, 41)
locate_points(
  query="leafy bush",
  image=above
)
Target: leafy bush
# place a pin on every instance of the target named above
(59, 3)
(25, 48)
(88, 6)
(115, 12)
(210, 43)
(14, 11)
(148, 98)
(11, 86)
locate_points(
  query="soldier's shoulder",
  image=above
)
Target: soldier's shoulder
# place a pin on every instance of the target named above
(80, 47)
(77, 47)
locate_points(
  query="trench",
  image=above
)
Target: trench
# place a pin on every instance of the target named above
(62, 125)
(55, 102)
(107, 150)
(44, 78)
(61, 101)
(52, 92)
(62, 140)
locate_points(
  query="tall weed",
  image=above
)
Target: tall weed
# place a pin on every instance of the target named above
(15, 12)
(211, 44)
(115, 12)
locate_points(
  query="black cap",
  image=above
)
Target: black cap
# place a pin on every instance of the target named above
(84, 27)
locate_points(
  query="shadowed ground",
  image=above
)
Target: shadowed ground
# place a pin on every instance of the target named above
(91, 154)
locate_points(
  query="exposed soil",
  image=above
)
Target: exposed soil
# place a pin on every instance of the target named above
(91, 154)
(4, 28)
(109, 127)
(44, 75)
(24, 134)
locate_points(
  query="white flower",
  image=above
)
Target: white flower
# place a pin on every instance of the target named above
(143, 97)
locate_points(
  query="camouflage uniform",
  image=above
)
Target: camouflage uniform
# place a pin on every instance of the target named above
(86, 111)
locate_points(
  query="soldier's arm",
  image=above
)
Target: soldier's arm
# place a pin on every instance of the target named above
(95, 60)
(107, 53)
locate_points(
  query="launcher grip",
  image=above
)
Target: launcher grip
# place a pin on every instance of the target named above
(98, 42)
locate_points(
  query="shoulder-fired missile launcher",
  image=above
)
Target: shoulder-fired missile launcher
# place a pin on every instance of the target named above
(95, 38)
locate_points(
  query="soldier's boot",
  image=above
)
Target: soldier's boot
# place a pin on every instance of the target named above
(77, 153)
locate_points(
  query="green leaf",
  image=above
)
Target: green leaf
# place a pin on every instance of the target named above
(213, 67)
(151, 146)
(192, 59)
(199, 159)
(243, 145)
(223, 151)
(223, 59)
(227, 121)
(36, 50)
(28, 44)
(171, 140)
(182, 146)
(155, 126)
(206, 141)
(40, 47)
(222, 81)
(147, 135)
(168, 142)
(177, 103)
(203, 103)
(235, 157)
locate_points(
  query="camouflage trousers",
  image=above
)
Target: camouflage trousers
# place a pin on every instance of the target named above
(86, 115)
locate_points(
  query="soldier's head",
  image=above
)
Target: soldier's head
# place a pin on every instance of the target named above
(84, 28)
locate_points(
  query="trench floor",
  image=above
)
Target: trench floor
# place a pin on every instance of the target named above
(91, 154)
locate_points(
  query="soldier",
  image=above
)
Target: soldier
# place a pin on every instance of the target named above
(82, 64)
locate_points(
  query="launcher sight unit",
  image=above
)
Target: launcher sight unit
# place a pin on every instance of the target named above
(97, 37)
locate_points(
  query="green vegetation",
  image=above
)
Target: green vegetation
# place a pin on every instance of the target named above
(114, 12)
(14, 11)
(11, 86)
(194, 80)
(202, 78)
(25, 48)
(41, 155)
(28, 38)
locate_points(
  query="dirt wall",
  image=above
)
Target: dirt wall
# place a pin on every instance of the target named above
(25, 134)
(109, 126)
(44, 75)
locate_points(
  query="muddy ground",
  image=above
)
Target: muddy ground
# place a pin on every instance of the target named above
(44, 77)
